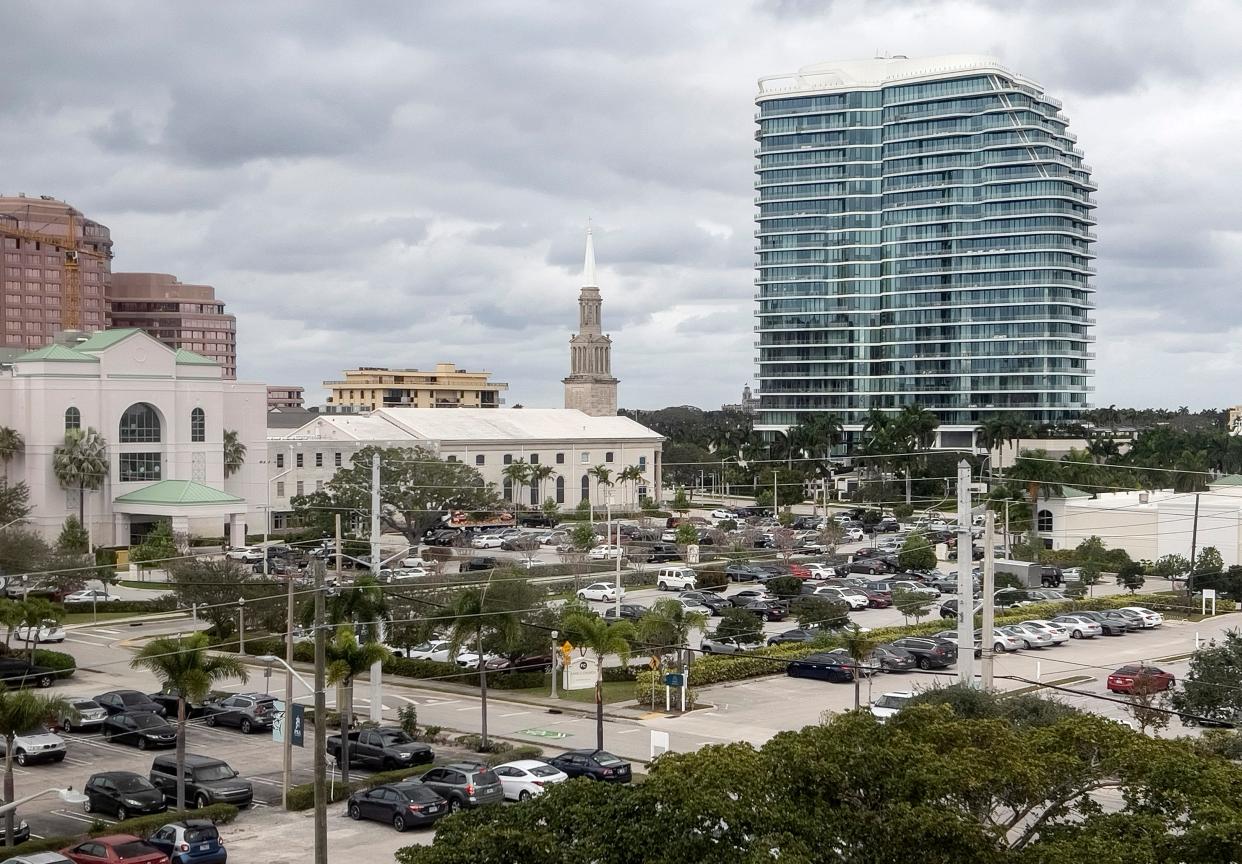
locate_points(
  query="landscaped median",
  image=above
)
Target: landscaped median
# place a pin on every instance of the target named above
(770, 660)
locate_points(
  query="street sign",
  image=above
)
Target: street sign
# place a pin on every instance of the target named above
(692, 553)
(299, 724)
(673, 679)
(655, 662)
(566, 648)
(580, 673)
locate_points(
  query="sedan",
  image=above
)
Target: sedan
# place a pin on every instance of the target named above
(86, 715)
(743, 599)
(1148, 617)
(852, 597)
(91, 595)
(1108, 626)
(1079, 626)
(401, 805)
(1134, 676)
(723, 514)
(889, 704)
(1128, 620)
(744, 573)
(605, 552)
(1028, 636)
(1001, 641)
(526, 778)
(592, 764)
(951, 636)
(1056, 632)
(929, 653)
(48, 631)
(140, 729)
(890, 658)
(115, 849)
(534, 662)
(487, 541)
(713, 601)
(604, 592)
(629, 612)
(434, 649)
(125, 701)
(825, 667)
(694, 606)
(768, 610)
(877, 599)
(798, 634)
(122, 794)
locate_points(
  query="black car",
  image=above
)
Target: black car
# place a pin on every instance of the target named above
(168, 701)
(768, 610)
(798, 634)
(629, 612)
(142, 729)
(948, 609)
(401, 805)
(592, 764)
(127, 701)
(713, 601)
(122, 794)
(18, 673)
(662, 553)
(744, 573)
(1109, 626)
(929, 652)
(538, 661)
(892, 658)
(826, 667)
(21, 833)
(481, 562)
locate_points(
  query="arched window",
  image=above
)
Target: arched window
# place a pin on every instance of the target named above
(73, 419)
(586, 487)
(139, 424)
(560, 490)
(1044, 520)
(198, 425)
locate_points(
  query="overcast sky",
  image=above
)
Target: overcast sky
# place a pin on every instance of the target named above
(400, 183)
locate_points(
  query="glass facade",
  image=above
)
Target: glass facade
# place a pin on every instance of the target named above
(924, 241)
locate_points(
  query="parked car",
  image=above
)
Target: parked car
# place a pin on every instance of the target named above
(606, 552)
(948, 609)
(929, 652)
(913, 587)
(465, 785)
(951, 636)
(168, 701)
(600, 591)
(91, 595)
(15, 673)
(247, 711)
(115, 849)
(481, 562)
(713, 644)
(629, 612)
(749, 595)
(891, 658)
(126, 701)
(122, 794)
(722, 513)
(1001, 641)
(207, 780)
(191, 841)
(768, 610)
(401, 805)
(436, 650)
(744, 573)
(1128, 620)
(593, 764)
(1058, 634)
(536, 661)
(48, 631)
(1148, 618)
(526, 778)
(877, 599)
(35, 745)
(487, 541)
(852, 597)
(1108, 626)
(676, 579)
(713, 601)
(246, 554)
(825, 667)
(385, 748)
(1126, 678)
(798, 634)
(889, 704)
(86, 715)
(1028, 636)
(141, 729)
(1079, 626)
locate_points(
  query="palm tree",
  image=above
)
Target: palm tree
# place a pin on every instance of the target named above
(602, 639)
(858, 645)
(81, 462)
(11, 443)
(471, 615)
(364, 604)
(35, 612)
(346, 661)
(21, 711)
(603, 477)
(187, 669)
(825, 431)
(1103, 448)
(538, 474)
(666, 625)
(918, 428)
(234, 453)
(517, 473)
(632, 475)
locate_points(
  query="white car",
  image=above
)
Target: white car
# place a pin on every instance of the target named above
(1059, 633)
(433, 649)
(1150, 619)
(889, 704)
(723, 514)
(37, 745)
(1030, 637)
(694, 606)
(915, 588)
(526, 778)
(91, 595)
(603, 591)
(855, 535)
(248, 554)
(820, 570)
(605, 551)
(1001, 641)
(1079, 626)
(470, 659)
(854, 598)
(487, 541)
(48, 631)
(414, 563)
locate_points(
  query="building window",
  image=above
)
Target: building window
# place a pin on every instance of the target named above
(608, 456)
(280, 460)
(451, 459)
(560, 490)
(298, 460)
(300, 487)
(198, 425)
(534, 458)
(586, 458)
(337, 460)
(642, 492)
(534, 494)
(318, 485)
(560, 458)
(139, 425)
(139, 467)
(280, 488)
(318, 460)
(508, 460)
(1044, 520)
(586, 487)
(642, 461)
(73, 419)
(508, 489)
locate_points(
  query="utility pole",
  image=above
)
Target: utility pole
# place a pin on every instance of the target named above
(989, 611)
(338, 546)
(1008, 554)
(375, 515)
(1194, 542)
(618, 571)
(321, 726)
(287, 746)
(555, 652)
(965, 581)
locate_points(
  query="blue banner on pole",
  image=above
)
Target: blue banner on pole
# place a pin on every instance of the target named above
(298, 718)
(673, 679)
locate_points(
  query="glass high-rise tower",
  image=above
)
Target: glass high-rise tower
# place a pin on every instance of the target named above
(924, 236)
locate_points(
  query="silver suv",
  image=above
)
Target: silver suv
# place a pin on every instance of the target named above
(247, 711)
(726, 645)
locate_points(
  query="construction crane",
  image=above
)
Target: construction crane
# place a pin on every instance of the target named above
(71, 246)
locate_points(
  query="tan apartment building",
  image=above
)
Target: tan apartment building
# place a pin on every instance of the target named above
(370, 388)
(37, 270)
(284, 396)
(177, 314)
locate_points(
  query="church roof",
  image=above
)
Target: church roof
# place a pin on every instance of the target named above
(481, 424)
(57, 353)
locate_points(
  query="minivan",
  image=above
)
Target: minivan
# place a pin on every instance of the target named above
(207, 781)
(676, 579)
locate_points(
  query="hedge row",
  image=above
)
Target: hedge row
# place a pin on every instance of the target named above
(63, 664)
(768, 660)
(163, 603)
(302, 796)
(140, 826)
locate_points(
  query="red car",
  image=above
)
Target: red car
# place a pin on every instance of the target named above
(1127, 677)
(878, 599)
(798, 571)
(115, 849)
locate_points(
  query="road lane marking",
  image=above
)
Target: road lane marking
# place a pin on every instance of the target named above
(82, 817)
(469, 708)
(268, 780)
(626, 731)
(515, 714)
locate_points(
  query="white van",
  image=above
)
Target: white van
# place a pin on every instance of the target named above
(676, 579)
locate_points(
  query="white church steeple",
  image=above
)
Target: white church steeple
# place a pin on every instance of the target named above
(590, 386)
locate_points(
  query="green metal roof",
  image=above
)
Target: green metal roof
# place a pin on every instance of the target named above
(57, 353)
(1227, 480)
(186, 357)
(178, 492)
(1071, 492)
(106, 338)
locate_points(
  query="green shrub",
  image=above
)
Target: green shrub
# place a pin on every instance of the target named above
(63, 664)
(162, 603)
(142, 826)
(302, 796)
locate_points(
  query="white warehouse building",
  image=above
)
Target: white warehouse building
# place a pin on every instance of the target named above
(303, 460)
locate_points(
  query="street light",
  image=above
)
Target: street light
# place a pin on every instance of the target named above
(287, 745)
(67, 795)
(241, 625)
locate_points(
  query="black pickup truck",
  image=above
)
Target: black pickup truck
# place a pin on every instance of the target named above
(386, 748)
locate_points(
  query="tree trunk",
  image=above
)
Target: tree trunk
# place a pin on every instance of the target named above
(908, 486)
(181, 754)
(345, 710)
(482, 690)
(8, 789)
(81, 503)
(599, 702)
(857, 684)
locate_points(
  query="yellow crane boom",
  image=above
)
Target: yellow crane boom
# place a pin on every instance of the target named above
(71, 290)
